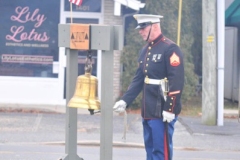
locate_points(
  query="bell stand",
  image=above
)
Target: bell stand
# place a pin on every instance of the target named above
(113, 40)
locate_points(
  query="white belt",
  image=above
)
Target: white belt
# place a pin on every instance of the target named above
(153, 81)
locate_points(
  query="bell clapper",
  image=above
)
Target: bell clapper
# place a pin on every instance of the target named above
(92, 111)
(88, 63)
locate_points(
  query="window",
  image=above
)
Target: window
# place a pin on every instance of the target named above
(29, 38)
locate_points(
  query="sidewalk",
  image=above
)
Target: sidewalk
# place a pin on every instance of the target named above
(43, 128)
(89, 126)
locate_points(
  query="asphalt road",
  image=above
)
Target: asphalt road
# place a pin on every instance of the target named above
(41, 136)
(55, 152)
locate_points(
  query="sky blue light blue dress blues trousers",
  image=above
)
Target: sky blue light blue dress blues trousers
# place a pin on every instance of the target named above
(155, 138)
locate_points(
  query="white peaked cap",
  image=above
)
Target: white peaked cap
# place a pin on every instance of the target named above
(143, 18)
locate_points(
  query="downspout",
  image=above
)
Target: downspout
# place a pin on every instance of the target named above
(220, 60)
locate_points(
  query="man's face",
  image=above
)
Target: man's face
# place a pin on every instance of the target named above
(144, 32)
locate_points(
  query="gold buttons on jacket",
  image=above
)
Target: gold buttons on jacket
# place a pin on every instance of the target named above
(147, 59)
(170, 110)
(149, 48)
(145, 71)
(149, 53)
(152, 42)
(146, 65)
(170, 104)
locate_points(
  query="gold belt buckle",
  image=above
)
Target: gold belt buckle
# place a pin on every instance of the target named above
(146, 80)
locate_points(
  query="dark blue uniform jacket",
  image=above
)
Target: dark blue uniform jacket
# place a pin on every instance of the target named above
(158, 59)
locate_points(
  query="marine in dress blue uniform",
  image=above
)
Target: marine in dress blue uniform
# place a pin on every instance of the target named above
(159, 58)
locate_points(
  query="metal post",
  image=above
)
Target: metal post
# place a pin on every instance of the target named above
(71, 113)
(106, 130)
(221, 51)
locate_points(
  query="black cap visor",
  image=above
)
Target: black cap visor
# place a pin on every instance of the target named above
(143, 25)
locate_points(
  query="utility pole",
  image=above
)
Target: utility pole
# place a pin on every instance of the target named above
(209, 60)
(213, 15)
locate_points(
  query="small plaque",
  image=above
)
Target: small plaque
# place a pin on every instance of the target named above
(79, 36)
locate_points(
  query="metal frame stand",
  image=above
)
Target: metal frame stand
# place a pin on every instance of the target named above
(113, 40)
(106, 128)
(71, 113)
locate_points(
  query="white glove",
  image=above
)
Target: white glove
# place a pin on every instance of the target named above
(120, 106)
(168, 116)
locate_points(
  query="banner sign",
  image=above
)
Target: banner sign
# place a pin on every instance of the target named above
(28, 37)
(80, 36)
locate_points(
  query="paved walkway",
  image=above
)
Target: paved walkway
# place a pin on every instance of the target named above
(49, 128)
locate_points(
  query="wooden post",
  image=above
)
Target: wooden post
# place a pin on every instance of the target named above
(209, 60)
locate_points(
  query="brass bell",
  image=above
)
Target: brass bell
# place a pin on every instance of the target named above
(86, 92)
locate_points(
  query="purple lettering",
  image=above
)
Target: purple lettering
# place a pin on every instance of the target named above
(37, 17)
(18, 35)
(23, 36)
(24, 16)
(20, 11)
(45, 37)
(15, 30)
(32, 35)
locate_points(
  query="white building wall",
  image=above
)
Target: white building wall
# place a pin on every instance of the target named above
(231, 70)
(231, 64)
(110, 19)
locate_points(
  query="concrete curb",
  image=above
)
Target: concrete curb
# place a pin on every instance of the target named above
(38, 109)
(129, 145)
(97, 143)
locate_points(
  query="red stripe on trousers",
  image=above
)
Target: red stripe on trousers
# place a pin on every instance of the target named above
(165, 147)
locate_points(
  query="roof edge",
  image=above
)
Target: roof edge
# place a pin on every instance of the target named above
(231, 10)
